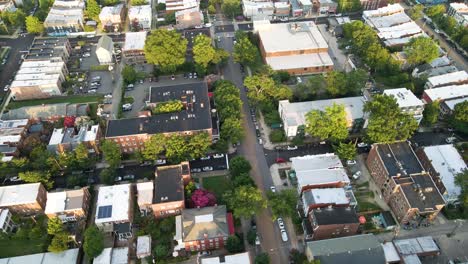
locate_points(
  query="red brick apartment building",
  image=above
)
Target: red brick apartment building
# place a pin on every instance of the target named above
(195, 117)
(405, 186)
(333, 222)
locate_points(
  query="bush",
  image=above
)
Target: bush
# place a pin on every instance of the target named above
(168, 107)
(251, 237)
(277, 135)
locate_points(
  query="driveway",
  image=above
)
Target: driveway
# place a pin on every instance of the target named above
(337, 55)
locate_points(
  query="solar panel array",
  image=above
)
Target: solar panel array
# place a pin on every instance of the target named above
(104, 211)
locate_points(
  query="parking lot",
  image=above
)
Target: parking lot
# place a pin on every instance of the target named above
(214, 161)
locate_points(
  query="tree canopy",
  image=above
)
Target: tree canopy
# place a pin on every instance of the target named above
(59, 242)
(234, 244)
(166, 49)
(92, 10)
(54, 226)
(245, 52)
(416, 12)
(262, 258)
(239, 165)
(245, 201)
(460, 117)
(93, 242)
(421, 50)
(205, 54)
(229, 106)
(231, 8)
(461, 180)
(129, 74)
(329, 124)
(386, 121)
(263, 88)
(111, 152)
(431, 113)
(346, 151)
(37, 176)
(283, 203)
(33, 25)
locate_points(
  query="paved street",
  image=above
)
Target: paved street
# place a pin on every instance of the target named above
(252, 151)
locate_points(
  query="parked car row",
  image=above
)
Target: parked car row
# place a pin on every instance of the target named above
(284, 235)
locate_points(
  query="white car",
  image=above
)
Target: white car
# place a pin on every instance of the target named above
(280, 223)
(92, 90)
(450, 140)
(299, 80)
(207, 168)
(160, 162)
(86, 55)
(218, 156)
(351, 162)
(205, 158)
(273, 188)
(195, 170)
(257, 240)
(357, 175)
(127, 107)
(284, 235)
(7, 87)
(291, 147)
(362, 145)
(96, 78)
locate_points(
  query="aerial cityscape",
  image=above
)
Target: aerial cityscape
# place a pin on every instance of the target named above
(233, 131)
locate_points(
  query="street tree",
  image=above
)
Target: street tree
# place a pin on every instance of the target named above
(329, 124)
(461, 180)
(176, 148)
(93, 242)
(435, 10)
(107, 176)
(243, 179)
(160, 251)
(336, 82)
(460, 117)
(154, 146)
(346, 151)
(92, 10)
(431, 113)
(386, 121)
(232, 130)
(37, 176)
(33, 25)
(166, 49)
(239, 165)
(245, 52)
(228, 96)
(54, 226)
(59, 242)
(282, 203)
(421, 50)
(245, 201)
(139, 2)
(129, 75)
(231, 8)
(355, 81)
(81, 155)
(111, 152)
(203, 51)
(416, 12)
(262, 258)
(234, 244)
(262, 88)
(198, 145)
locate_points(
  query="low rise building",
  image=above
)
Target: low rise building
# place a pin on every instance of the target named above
(443, 162)
(68, 206)
(189, 18)
(24, 199)
(114, 210)
(12, 135)
(408, 102)
(177, 5)
(326, 197)
(143, 249)
(333, 222)
(69, 256)
(258, 9)
(459, 11)
(429, 69)
(319, 171)
(145, 192)
(67, 139)
(324, 6)
(133, 48)
(410, 250)
(65, 17)
(374, 4)
(448, 106)
(445, 93)
(6, 223)
(298, 48)
(46, 112)
(453, 78)
(49, 49)
(282, 9)
(105, 50)
(293, 115)
(112, 18)
(243, 258)
(195, 117)
(140, 17)
(117, 255)
(201, 229)
(356, 249)
(406, 186)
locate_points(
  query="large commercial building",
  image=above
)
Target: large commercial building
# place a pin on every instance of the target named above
(443, 163)
(65, 17)
(406, 186)
(140, 17)
(195, 117)
(293, 115)
(133, 48)
(408, 102)
(24, 199)
(298, 48)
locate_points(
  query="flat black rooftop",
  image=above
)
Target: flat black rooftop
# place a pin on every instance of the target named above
(399, 157)
(422, 193)
(168, 184)
(195, 116)
(335, 215)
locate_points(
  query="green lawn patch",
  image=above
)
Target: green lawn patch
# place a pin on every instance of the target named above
(20, 247)
(128, 100)
(73, 99)
(217, 184)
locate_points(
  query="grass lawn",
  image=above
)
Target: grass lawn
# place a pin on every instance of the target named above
(217, 184)
(73, 99)
(17, 247)
(128, 100)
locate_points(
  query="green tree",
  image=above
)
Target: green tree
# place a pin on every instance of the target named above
(242, 179)
(129, 74)
(92, 10)
(81, 155)
(204, 53)
(421, 50)
(14, 19)
(245, 201)
(139, 2)
(239, 165)
(309, 88)
(355, 81)
(329, 124)
(435, 10)
(160, 251)
(107, 176)
(59, 242)
(153, 147)
(431, 113)
(232, 129)
(416, 12)
(33, 25)
(228, 96)
(231, 8)
(54, 226)
(198, 145)
(461, 180)
(36, 176)
(245, 52)
(262, 258)
(386, 121)
(262, 88)
(336, 82)
(93, 242)
(346, 151)
(283, 203)
(166, 49)
(297, 257)
(111, 152)
(176, 148)
(251, 237)
(460, 117)
(168, 107)
(234, 244)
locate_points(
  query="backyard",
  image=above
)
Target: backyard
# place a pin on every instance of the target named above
(20, 247)
(217, 185)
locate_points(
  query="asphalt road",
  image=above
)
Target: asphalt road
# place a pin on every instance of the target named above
(252, 151)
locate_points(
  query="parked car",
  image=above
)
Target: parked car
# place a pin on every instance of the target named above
(299, 80)
(207, 168)
(357, 175)
(284, 235)
(450, 140)
(14, 179)
(92, 90)
(291, 147)
(273, 188)
(7, 87)
(172, 77)
(260, 141)
(280, 160)
(129, 177)
(257, 240)
(218, 156)
(205, 158)
(160, 162)
(117, 179)
(351, 162)
(195, 170)
(280, 223)
(146, 163)
(86, 55)
(362, 145)
(127, 107)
